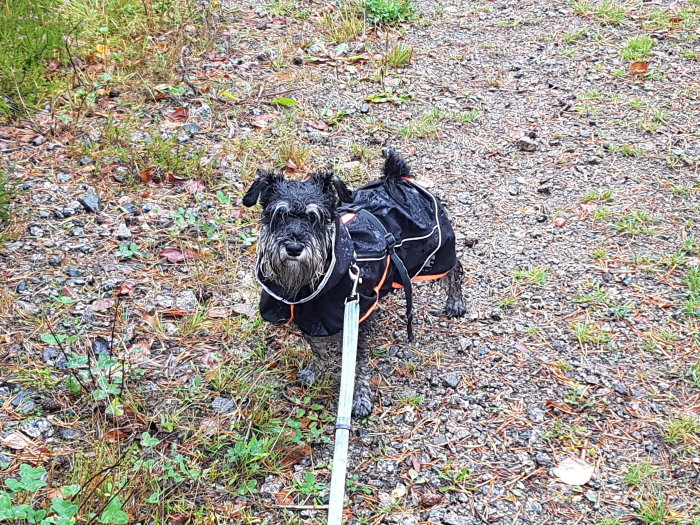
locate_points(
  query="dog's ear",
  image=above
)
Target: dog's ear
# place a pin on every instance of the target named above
(262, 186)
(332, 184)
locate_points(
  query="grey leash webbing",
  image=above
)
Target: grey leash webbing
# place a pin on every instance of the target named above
(351, 323)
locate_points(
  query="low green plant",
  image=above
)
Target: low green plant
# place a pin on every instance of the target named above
(468, 117)
(588, 333)
(681, 430)
(399, 56)
(31, 36)
(8, 192)
(427, 125)
(535, 275)
(389, 12)
(13, 506)
(638, 473)
(637, 48)
(345, 24)
(610, 12)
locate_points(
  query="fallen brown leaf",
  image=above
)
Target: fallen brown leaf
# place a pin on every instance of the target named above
(574, 471)
(179, 114)
(639, 68)
(177, 255)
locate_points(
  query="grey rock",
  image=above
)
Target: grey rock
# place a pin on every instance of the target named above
(21, 287)
(68, 433)
(164, 301)
(364, 108)
(543, 459)
(190, 127)
(526, 144)
(35, 231)
(222, 405)
(38, 140)
(90, 202)
(186, 300)
(37, 428)
(27, 406)
(53, 356)
(63, 177)
(101, 346)
(72, 271)
(451, 380)
(123, 233)
(84, 161)
(317, 137)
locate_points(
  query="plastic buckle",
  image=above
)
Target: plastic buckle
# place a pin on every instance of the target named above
(390, 240)
(354, 272)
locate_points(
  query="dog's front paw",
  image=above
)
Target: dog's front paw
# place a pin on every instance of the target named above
(307, 376)
(362, 403)
(455, 309)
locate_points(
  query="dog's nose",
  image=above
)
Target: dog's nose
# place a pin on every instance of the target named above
(294, 249)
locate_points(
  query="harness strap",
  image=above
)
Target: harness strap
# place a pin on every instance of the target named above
(390, 241)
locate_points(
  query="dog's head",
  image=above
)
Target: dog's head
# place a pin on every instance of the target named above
(297, 226)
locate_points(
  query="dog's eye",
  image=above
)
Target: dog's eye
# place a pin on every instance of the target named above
(314, 216)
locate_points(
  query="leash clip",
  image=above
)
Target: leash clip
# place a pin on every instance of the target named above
(354, 272)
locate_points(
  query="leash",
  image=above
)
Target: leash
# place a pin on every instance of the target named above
(351, 324)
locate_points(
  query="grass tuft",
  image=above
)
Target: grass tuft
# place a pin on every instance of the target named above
(389, 12)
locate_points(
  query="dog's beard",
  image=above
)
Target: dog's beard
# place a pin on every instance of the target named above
(292, 274)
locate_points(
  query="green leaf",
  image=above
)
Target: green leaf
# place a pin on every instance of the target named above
(70, 490)
(50, 339)
(230, 95)
(222, 198)
(63, 508)
(36, 516)
(148, 441)
(113, 513)
(30, 479)
(284, 101)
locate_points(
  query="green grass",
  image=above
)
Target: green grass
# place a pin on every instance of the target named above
(692, 281)
(681, 430)
(467, 117)
(638, 473)
(535, 275)
(588, 333)
(636, 223)
(427, 125)
(8, 191)
(605, 195)
(31, 35)
(654, 511)
(399, 56)
(609, 12)
(599, 254)
(637, 48)
(609, 520)
(389, 12)
(345, 24)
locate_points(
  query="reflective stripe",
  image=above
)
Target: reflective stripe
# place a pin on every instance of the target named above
(422, 278)
(376, 290)
(347, 218)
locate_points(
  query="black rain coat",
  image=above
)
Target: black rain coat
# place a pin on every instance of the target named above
(395, 233)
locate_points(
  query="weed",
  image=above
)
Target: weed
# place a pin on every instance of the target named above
(412, 401)
(654, 511)
(609, 12)
(681, 430)
(506, 302)
(31, 35)
(467, 117)
(292, 154)
(599, 254)
(459, 479)
(588, 333)
(638, 473)
(601, 213)
(637, 48)
(389, 12)
(582, 8)
(621, 311)
(609, 520)
(8, 191)
(345, 24)
(427, 125)
(635, 223)
(599, 296)
(572, 36)
(535, 275)
(692, 281)
(602, 195)
(399, 56)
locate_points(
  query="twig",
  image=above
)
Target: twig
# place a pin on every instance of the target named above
(301, 507)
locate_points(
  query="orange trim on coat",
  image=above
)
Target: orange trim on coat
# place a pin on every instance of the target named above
(377, 288)
(422, 278)
(347, 217)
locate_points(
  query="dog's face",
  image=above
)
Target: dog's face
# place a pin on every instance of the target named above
(297, 226)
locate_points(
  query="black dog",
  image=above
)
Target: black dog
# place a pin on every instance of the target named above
(316, 235)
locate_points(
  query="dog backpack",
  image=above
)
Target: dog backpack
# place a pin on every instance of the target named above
(395, 231)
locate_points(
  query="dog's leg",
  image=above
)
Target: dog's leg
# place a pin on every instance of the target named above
(323, 352)
(452, 284)
(363, 400)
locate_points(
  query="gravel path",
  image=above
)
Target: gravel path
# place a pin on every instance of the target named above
(573, 185)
